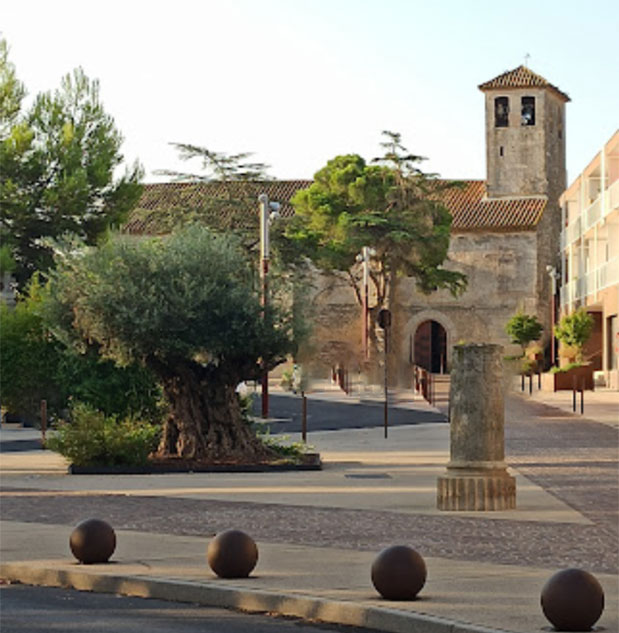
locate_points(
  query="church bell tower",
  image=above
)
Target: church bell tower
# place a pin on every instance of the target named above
(525, 136)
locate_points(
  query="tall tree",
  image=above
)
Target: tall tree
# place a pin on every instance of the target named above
(390, 206)
(184, 306)
(12, 91)
(57, 171)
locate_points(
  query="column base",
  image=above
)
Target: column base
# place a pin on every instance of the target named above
(476, 492)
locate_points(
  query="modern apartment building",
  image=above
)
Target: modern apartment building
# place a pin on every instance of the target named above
(590, 255)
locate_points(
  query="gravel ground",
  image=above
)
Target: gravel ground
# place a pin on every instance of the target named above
(572, 458)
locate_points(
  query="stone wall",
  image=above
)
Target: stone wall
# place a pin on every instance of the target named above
(502, 273)
(501, 270)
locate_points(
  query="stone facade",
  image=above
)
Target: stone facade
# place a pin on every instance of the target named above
(505, 233)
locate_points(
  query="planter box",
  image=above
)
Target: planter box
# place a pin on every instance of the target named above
(564, 380)
(310, 461)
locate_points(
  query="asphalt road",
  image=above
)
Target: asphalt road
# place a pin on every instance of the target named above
(26, 609)
(324, 415)
(12, 446)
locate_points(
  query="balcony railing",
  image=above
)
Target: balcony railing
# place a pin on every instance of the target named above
(593, 214)
(612, 198)
(608, 274)
(571, 233)
(594, 281)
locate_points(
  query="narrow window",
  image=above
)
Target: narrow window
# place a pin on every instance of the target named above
(501, 151)
(528, 111)
(501, 112)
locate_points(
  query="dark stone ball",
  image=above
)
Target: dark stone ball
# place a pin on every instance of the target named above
(572, 600)
(93, 541)
(232, 554)
(399, 573)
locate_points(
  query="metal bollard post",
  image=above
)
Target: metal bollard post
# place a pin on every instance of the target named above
(304, 417)
(43, 422)
(574, 394)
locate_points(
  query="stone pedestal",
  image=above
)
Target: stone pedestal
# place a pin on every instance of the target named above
(476, 477)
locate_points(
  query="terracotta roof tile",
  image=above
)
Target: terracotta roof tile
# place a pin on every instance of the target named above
(521, 77)
(473, 211)
(468, 204)
(166, 197)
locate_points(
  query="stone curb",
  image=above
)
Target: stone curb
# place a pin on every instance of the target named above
(257, 601)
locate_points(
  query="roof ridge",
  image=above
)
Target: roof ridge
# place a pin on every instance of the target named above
(521, 77)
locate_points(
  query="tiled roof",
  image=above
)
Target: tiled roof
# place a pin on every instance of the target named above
(160, 198)
(521, 77)
(470, 208)
(473, 211)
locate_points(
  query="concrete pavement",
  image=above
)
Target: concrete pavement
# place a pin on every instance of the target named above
(318, 532)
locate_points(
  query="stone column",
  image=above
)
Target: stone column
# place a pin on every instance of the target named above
(476, 477)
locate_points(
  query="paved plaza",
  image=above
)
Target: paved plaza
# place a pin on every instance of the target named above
(318, 532)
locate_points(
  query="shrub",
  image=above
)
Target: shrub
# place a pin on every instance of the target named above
(92, 439)
(29, 358)
(35, 366)
(574, 330)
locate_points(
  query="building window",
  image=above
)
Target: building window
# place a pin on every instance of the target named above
(501, 112)
(528, 111)
(501, 151)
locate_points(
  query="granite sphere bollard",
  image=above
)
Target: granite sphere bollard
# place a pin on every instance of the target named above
(399, 573)
(93, 541)
(232, 554)
(572, 600)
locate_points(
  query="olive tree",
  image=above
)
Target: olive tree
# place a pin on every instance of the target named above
(188, 308)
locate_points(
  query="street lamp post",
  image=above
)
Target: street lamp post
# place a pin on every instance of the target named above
(554, 275)
(268, 212)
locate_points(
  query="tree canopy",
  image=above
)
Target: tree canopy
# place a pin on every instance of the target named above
(391, 206)
(186, 307)
(57, 168)
(574, 330)
(523, 329)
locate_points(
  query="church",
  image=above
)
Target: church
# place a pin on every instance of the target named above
(505, 237)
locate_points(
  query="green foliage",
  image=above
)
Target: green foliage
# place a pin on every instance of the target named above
(575, 329)
(35, 366)
(281, 444)
(392, 207)
(92, 439)
(184, 299)
(12, 90)
(523, 329)
(57, 165)
(7, 263)
(29, 358)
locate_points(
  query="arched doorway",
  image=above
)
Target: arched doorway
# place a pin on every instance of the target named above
(430, 347)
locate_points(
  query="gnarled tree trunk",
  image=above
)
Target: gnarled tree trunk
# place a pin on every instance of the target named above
(205, 420)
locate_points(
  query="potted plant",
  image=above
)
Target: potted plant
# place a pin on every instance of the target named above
(572, 331)
(523, 329)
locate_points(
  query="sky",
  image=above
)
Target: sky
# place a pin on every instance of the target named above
(298, 82)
